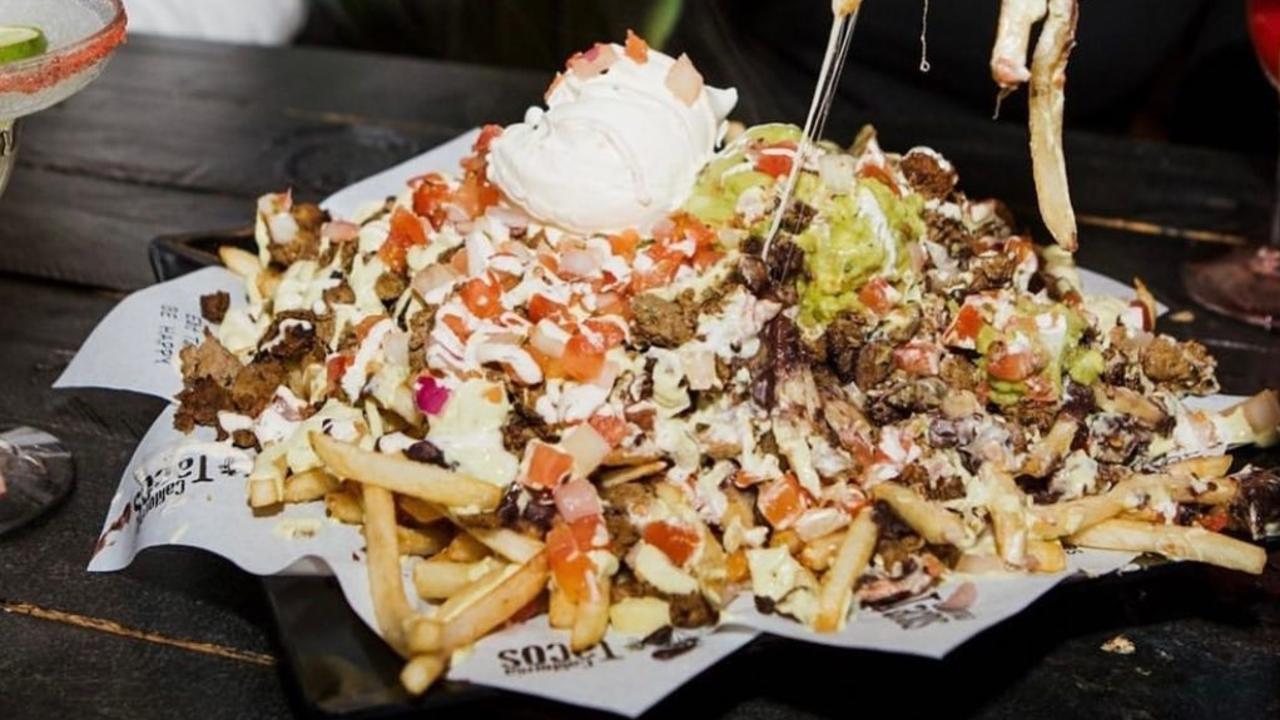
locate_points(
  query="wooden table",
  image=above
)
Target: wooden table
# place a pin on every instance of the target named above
(181, 136)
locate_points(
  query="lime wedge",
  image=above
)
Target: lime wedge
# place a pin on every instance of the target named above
(18, 42)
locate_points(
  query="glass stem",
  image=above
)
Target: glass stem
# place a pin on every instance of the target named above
(1273, 238)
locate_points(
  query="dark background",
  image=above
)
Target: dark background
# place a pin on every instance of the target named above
(1176, 70)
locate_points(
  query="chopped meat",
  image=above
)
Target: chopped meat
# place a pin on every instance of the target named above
(1181, 366)
(244, 439)
(622, 532)
(957, 372)
(949, 233)
(917, 395)
(785, 261)
(902, 324)
(214, 306)
(540, 511)
(199, 403)
(691, 611)
(664, 323)
(390, 286)
(305, 244)
(992, 270)
(845, 336)
(1032, 414)
(797, 217)
(928, 174)
(631, 497)
(875, 364)
(340, 295)
(255, 385)
(1115, 438)
(524, 424)
(294, 334)
(210, 360)
(419, 335)
(898, 550)
(753, 274)
(1258, 503)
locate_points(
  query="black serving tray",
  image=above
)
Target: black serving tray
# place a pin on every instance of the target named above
(340, 669)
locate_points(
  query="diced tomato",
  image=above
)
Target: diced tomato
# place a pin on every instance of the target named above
(363, 327)
(551, 366)
(458, 262)
(457, 325)
(676, 541)
(775, 165)
(1011, 366)
(878, 296)
(782, 501)
(880, 174)
(573, 570)
(659, 275)
(625, 243)
(610, 332)
(430, 194)
(547, 465)
(613, 429)
(966, 326)
(336, 367)
(487, 135)
(588, 531)
(690, 227)
(476, 195)
(483, 297)
(637, 49)
(583, 359)
(743, 479)
(406, 231)
(704, 259)
(918, 357)
(540, 307)
(613, 303)
(1215, 520)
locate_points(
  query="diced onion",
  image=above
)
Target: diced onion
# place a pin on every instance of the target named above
(431, 278)
(588, 448)
(548, 339)
(577, 499)
(837, 172)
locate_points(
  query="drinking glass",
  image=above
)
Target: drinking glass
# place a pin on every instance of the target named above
(35, 470)
(1245, 283)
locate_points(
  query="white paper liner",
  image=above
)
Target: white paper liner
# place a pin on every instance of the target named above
(186, 490)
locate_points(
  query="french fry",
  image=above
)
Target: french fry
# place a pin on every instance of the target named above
(1201, 467)
(472, 592)
(239, 261)
(507, 543)
(1045, 455)
(1046, 556)
(264, 494)
(308, 486)
(561, 610)
(818, 552)
(934, 523)
(423, 542)
(404, 476)
(1013, 41)
(441, 579)
(850, 562)
(496, 606)
(591, 619)
(386, 584)
(1061, 519)
(464, 548)
(1007, 506)
(622, 475)
(423, 635)
(344, 507)
(1174, 541)
(421, 672)
(1044, 117)
(421, 511)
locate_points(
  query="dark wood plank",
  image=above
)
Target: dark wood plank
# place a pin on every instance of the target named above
(184, 594)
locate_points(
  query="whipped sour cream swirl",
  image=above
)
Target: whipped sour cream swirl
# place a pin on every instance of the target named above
(612, 151)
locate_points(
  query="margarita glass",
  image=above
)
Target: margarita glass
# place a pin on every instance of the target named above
(79, 37)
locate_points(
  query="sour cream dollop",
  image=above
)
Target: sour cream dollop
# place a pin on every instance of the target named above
(612, 151)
